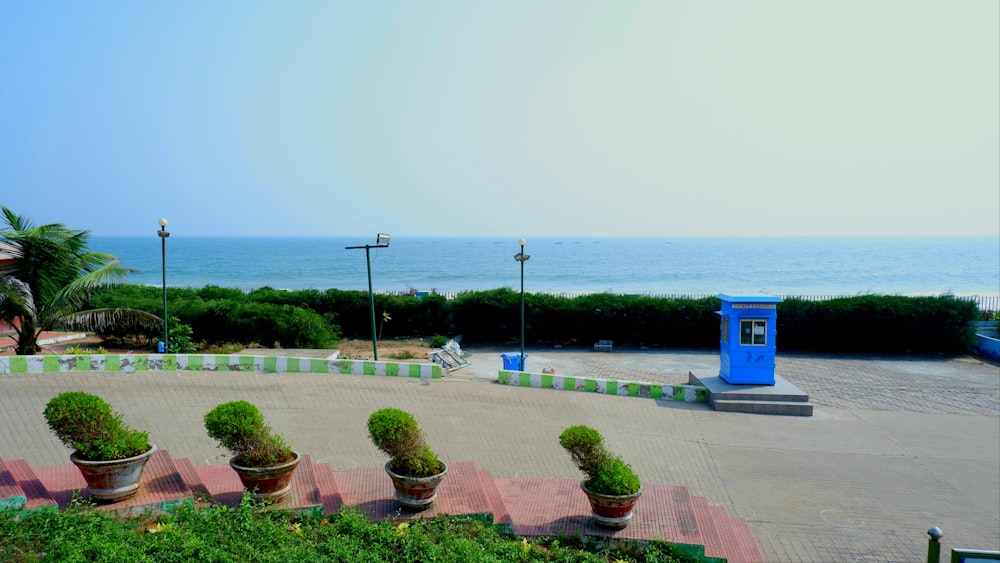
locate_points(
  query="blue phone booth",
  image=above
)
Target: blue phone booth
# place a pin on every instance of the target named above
(746, 339)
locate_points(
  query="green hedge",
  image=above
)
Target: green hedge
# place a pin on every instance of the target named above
(877, 323)
(218, 315)
(312, 318)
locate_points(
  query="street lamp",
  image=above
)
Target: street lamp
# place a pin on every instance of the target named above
(381, 241)
(522, 258)
(164, 233)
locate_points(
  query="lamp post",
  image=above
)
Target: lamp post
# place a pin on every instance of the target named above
(522, 258)
(164, 233)
(381, 241)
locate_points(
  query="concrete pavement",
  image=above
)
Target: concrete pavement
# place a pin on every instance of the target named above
(896, 445)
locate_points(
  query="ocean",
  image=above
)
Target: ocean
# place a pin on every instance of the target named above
(961, 266)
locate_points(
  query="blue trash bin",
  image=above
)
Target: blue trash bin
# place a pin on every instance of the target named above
(512, 361)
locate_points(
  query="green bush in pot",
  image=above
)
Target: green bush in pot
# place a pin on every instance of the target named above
(606, 473)
(239, 427)
(87, 424)
(110, 455)
(397, 434)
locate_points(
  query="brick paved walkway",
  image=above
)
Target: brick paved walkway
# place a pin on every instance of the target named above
(953, 385)
(859, 482)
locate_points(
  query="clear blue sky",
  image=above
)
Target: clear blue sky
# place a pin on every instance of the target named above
(520, 118)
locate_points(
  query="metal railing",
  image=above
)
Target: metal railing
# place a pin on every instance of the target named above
(983, 302)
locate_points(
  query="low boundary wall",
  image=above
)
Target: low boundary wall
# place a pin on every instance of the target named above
(686, 393)
(212, 362)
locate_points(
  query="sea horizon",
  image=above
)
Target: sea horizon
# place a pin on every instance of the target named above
(960, 265)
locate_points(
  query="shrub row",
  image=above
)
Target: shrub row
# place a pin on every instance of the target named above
(314, 318)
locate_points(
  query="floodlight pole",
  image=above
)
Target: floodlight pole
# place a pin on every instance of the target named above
(522, 258)
(379, 240)
(163, 234)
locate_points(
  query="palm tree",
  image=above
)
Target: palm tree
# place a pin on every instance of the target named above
(50, 277)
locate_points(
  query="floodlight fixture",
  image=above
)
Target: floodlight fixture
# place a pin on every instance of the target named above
(381, 241)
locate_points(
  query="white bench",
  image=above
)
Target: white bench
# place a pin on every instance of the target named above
(603, 346)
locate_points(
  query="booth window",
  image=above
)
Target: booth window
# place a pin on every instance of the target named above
(725, 330)
(753, 332)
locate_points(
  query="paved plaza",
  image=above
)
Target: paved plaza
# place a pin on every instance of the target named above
(896, 445)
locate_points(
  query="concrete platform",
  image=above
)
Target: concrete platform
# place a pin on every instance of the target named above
(782, 398)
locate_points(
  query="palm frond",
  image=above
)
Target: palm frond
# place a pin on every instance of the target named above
(75, 294)
(15, 300)
(104, 320)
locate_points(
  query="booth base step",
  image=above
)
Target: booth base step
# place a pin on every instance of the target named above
(782, 398)
(785, 408)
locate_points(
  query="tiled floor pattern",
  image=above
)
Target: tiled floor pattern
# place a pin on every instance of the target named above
(528, 507)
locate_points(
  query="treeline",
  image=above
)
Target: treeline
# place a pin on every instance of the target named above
(314, 318)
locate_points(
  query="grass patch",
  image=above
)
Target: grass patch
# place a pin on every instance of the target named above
(243, 533)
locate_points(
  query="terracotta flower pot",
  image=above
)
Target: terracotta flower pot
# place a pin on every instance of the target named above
(416, 493)
(115, 480)
(267, 483)
(611, 511)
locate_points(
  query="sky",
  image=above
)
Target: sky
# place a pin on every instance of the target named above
(517, 118)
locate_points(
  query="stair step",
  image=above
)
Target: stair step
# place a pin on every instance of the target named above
(161, 488)
(63, 482)
(741, 547)
(668, 509)
(304, 496)
(526, 507)
(188, 474)
(787, 408)
(37, 495)
(501, 516)
(328, 489)
(712, 528)
(11, 495)
(371, 491)
(224, 485)
(462, 492)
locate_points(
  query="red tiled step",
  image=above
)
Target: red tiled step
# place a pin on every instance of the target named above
(221, 482)
(370, 490)
(161, 486)
(711, 526)
(62, 482)
(187, 473)
(304, 495)
(11, 495)
(529, 507)
(27, 481)
(328, 489)
(224, 485)
(501, 516)
(542, 507)
(741, 547)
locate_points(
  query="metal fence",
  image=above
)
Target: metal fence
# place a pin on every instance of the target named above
(983, 302)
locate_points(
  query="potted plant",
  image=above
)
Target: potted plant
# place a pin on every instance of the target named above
(263, 461)
(414, 468)
(611, 486)
(109, 454)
